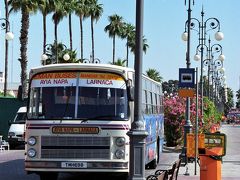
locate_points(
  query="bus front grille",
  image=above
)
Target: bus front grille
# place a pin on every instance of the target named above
(75, 147)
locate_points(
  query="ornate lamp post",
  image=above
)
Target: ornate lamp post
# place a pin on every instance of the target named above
(219, 80)
(51, 54)
(137, 132)
(210, 62)
(91, 60)
(5, 25)
(188, 124)
(202, 27)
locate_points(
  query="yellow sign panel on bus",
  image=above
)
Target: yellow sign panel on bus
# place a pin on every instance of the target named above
(86, 79)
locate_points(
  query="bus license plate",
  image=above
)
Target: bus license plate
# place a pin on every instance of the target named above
(74, 165)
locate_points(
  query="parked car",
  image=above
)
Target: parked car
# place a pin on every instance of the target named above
(17, 128)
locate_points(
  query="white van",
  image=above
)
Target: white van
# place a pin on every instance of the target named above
(17, 128)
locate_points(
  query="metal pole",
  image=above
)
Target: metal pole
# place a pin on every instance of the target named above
(137, 133)
(196, 124)
(6, 51)
(209, 66)
(201, 75)
(188, 125)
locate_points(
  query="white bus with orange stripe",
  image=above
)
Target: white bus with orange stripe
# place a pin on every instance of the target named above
(79, 116)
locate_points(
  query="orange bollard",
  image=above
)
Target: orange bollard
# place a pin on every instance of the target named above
(210, 167)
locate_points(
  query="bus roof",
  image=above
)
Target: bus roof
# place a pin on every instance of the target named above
(84, 66)
(79, 66)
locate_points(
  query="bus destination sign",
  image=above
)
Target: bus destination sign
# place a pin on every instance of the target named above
(74, 130)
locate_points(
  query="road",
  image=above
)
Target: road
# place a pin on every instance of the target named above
(12, 168)
(12, 162)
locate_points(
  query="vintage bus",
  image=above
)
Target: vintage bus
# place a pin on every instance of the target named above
(233, 116)
(78, 117)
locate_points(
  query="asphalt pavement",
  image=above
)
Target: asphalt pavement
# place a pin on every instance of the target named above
(12, 166)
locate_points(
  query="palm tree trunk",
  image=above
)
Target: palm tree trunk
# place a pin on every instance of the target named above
(127, 54)
(113, 48)
(44, 33)
(56, 40)
(70, 29)
(55, 31)
(81, 36)
(23, 49)
(92, 39)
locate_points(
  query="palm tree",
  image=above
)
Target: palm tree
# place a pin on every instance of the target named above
(95, 12)
(70, 7)
(119, 62)
(132, 44)
(45, 8)
(25, 7)
(59, 13)
(81, 12)
(154, 74)
(128, 33)
(114, 28)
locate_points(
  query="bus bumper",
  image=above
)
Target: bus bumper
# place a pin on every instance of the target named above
(75, 166)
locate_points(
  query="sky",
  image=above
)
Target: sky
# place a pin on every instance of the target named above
(163, 25)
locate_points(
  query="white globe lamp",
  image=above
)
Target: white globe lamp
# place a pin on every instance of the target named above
(221, 57)
(66, 57)
(219, 36)
(9, 36)
(185, 36)
(197, 57)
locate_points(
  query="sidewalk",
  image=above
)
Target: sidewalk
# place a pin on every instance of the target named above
(171, 154)
(230, 163)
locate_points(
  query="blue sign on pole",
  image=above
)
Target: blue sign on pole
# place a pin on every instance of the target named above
(186, 77)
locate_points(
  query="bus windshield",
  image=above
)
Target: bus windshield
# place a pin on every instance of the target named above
(78, 100)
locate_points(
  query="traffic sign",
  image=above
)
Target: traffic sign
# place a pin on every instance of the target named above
(186, 77)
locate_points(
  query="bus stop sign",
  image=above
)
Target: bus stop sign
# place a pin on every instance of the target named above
(186, 77)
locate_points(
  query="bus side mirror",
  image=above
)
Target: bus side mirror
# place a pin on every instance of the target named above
(131, 93)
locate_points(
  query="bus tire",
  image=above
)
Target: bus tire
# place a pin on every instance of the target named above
(48, 176)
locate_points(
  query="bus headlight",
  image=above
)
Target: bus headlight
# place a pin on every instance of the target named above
(120, 141)
(31, 152)
(32, 141)
(120, 154)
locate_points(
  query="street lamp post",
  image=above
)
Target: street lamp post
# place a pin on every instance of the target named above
(219, 80)
(210, 62)
(91, 60)
(51, 53)
(202, 28)
(137, 132)
(5, 25)
(188, 125)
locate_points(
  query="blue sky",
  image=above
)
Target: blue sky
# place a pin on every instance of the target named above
(164, 22)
